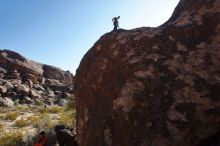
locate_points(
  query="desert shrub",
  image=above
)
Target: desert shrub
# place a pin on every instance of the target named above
(1, 126)
(42, 120)
(21, 123)
(5, 109)
(23, 108)
(2, 117)
(41, 109)
(49, 124)
(54, 109)
(39, 103)
(70, 113)
(1, 110)
(67, 119)
(71, 104)
(14, 138)
(12, 115)
(34, 120)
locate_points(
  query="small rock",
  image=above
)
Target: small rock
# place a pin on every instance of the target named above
(29, 83)
(23, 89)
(31, 77)
(50, 93)
(2, 70)
(35, 94)
(9, 85)
(6, 102)
(15, 81)
(38, 87)
(3, 89)
(13, 75)
(58, 92)
(49, 102)
(65, 135)
(28, 100)
(65, 95)
(60, 102)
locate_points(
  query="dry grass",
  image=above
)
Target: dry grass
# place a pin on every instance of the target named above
(21, 123)
(37, 117)
(1, 127)
(35, 120)
(12, 115)
(41, 120)
(14, 138)
(55, 109)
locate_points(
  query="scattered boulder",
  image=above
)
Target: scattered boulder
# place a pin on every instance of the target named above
(49, 102)
(29, 83)
(65, 95)
(38, 102)
(6, 102)
(31, 77)
(50, 93)
(7, 84)
(2, 70)
(13, 75)
(1, 75)
(60, 102)
(38, 87)
(23, 89)
(3, 89)
(34, 94)
(65, 135)
(57, 92)
(15, 82)
(28, 100)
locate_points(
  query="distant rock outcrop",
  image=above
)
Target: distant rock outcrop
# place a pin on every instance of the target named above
(28, 82)
(154, 86)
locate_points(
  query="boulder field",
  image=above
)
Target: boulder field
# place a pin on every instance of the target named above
(23, 81)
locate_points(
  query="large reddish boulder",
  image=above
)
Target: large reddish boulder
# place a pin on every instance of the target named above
(154, 86)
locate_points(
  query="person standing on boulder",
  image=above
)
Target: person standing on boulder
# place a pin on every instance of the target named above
(115, 22)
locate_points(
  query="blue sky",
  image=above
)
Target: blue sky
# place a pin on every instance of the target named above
(60, 32)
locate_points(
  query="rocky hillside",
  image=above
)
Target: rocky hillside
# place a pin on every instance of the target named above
(154, 86)
(23, 81)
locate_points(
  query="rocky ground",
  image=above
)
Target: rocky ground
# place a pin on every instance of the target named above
(23, 81)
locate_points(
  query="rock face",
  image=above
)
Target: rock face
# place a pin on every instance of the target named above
(27, 81)
(154, 86)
